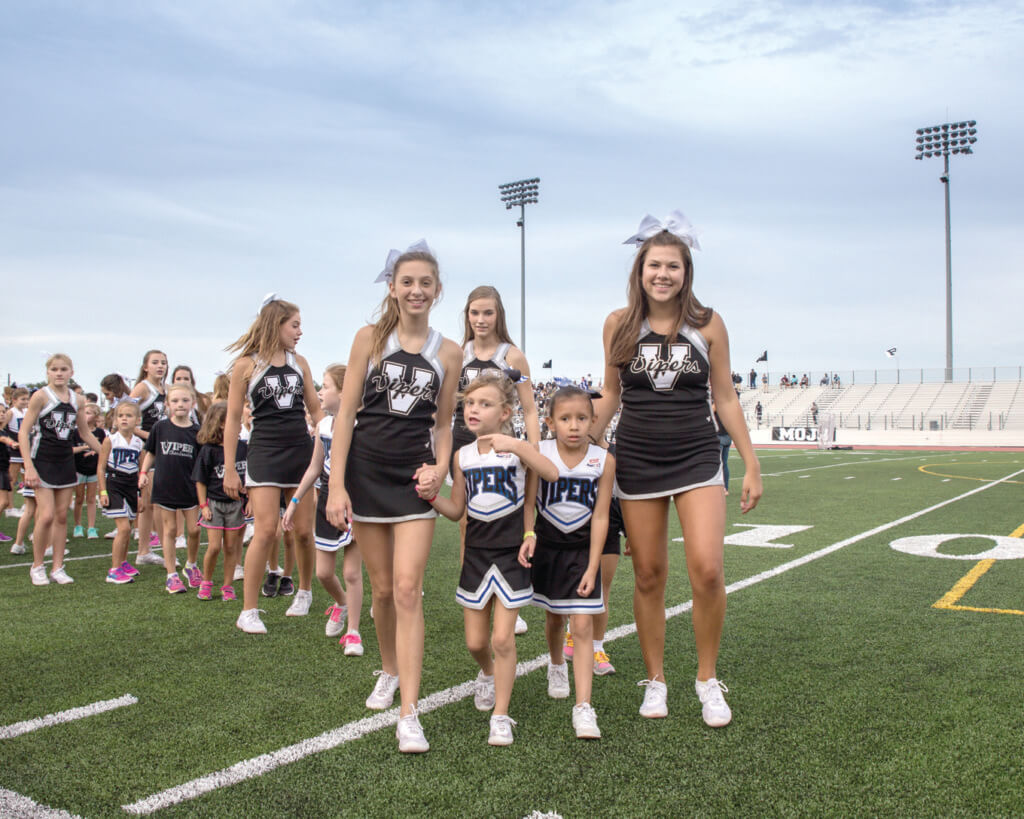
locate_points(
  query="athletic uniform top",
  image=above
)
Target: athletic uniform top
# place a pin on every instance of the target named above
(51, 433)
(495, 489)
(567, 505)
(152, 407)
(472, 366)
(86, 462)
(209, 469)
(403, 386)
(14, 423)
(123, 460)
(325, 429)
(276, 396)
(175, 450)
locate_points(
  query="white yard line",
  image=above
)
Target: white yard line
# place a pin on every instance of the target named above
(833, 466)
(265, 763)
(19, 728)
(14, 804)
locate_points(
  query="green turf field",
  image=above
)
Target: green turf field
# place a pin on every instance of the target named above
(851, 692)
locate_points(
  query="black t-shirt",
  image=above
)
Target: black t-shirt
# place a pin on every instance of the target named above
(209, 469)
(175, 450)
(86, 462)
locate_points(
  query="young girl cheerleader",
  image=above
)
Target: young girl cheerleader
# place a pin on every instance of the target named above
(182, 374)
(329, 539)
(45, 442)
(170, 452)
(18, 405)
(399, 447)
(86, 462)
(666, 358)
(150, 391)
(117, 474)
(488, 485)
(565, 552)
(221, 516)
(5, 462)
(278, 385)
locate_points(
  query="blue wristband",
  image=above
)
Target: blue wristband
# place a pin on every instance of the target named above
(294, 499)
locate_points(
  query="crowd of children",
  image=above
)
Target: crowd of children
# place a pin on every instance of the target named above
(359, 466)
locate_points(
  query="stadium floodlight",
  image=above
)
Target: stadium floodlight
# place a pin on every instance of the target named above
(943, 140)
(521, 193)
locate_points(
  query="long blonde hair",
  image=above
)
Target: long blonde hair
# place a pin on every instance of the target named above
(263, 338)
(485, 291)
(690, 310)
(388, 313)
(506, 389)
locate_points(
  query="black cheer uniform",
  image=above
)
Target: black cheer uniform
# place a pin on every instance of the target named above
(328, 538)
(472, 366)
(279, 446)
(51, 441)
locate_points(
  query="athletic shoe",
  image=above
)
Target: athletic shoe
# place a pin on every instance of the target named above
(135, 533)
(205, 590)
(250, 530)
(60, 576)
(410, 735)
(154, 541)
(286, 587)
(602, 665)
(715, 710)
(18, 549)
(483, 699)
(78, 532)
(655, 699)
(149, 559)
(118, 576)
(300, 605)
(584, 721)
(195, 577)
(111, 534)
(38, 575)
(174, 585)
(5, 538)
(567, 647)
(227, 594)
(270, 584)
(383, 693)
(249, 622)
(128, 569)
(501, 730)
(49, 549)
(91, 533)
(558, 681)
(180, 542)
(353, 644)
(14, 512)
(239, 572)
(335, 619)
(521, 625)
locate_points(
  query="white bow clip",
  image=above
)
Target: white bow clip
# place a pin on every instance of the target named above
(389, 265)
(675, 223)
(267, 299)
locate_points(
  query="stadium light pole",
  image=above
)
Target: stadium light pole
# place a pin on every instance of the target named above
(521, 193)
(943, 140)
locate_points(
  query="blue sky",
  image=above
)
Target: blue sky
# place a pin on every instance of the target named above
(166, 164)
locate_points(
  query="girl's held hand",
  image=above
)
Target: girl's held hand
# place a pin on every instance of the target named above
(428, 482)
(339, 510)
(752, 491)
(587, 584)
(526, 551)
(232, 484)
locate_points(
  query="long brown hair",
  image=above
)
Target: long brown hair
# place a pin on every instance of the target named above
(485, 291)
(212, 430)
(690, 310)
(202, 399)
(336, 372)
(114, 384)
(263, 338)
(145, 361)
(388, 313)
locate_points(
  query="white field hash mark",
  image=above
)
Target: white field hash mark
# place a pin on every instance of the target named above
(14, 804)
(251, 768)
(19, 728)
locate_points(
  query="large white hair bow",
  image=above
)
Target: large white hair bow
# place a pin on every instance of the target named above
(675, 223)
(389, 265)
(267, 299)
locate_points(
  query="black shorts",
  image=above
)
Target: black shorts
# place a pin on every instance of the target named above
(278, 465)
(493, 572)
(122, 502)
(57, 474)
(616, 529)
(556, 574)
(382, 492)
(328, 538)
(5, 480)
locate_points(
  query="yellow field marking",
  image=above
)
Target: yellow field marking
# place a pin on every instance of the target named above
(926, 469)
(950, 599)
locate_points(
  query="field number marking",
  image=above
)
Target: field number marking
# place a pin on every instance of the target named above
(951, 600)
(759, 534)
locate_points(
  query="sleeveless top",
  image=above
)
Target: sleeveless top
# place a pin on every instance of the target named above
(152, 407)
(396, 420)
(277, 398)
(325, 429)
(123, 460)
(472, 366)
(567, 505)
(495, 489)
(51, 433)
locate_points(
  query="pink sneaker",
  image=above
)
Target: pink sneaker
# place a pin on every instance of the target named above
(119, 577)
(174, 585)
(353, 645)
(205, 590)
(227, 594)
(128, 569)
(195, 577)
(154, 541)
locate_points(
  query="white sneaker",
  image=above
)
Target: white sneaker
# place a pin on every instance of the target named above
(521, 625)
(111, 534)
(14, 512)
(383, 693)
(149, 559)
(135, 533)
(336, 616)
(61, 576)
(558, 681)
(483, 699)
(655, 699)
(501, 730)
(180, 542)
(716, 710)
(239, 571)
(250, 530)
(300, 605)
(38, 575)
(353, 644)
(584, 721)
(18, 549)
(410, 735)
(48, 552)
(249, 621)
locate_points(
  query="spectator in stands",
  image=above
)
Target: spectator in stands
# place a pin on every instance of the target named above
(764, 381)
(824, 381)
(784, 381)
(758, 409)
(835, 380)
(753, 378)
(805, 382)
(814, 412)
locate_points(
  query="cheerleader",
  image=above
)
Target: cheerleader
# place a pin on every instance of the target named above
(383, 467)
(278, 386)
(86, 462)
(117, 474)
(16, 414)
(150, 391)
(488, 485)
(6, 441)
(666, 358)
(348, 601)
(46, 449)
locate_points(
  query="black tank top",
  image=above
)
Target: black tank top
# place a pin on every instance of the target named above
(276, 396)
(152, 407)
(472, 366)
(51, 434)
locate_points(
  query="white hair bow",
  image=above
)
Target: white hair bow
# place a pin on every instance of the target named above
(267, 299)
(393, 255)
(675, 223)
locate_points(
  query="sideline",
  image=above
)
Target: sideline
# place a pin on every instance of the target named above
(265, 763)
